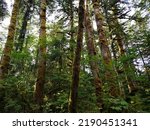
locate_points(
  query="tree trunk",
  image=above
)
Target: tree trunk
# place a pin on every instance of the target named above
(72, 29)
(143, 61)
(5, 60)
(118, 31)
(105, 52)
(72, 107)
(92, 59)
(25, 20)
(42, 56)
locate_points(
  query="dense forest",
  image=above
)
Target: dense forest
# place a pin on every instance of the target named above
(75, 56)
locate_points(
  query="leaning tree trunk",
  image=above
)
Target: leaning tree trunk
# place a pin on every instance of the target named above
(105, 52)
(92, 59)
(143, 61)
(5, 60)
(72, 107)
(120, 43)
(42, 56)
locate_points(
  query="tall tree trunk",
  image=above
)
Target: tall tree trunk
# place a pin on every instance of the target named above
(5, 60)
(109, 72)
(42, 55)
(114, 49)
(92, 59)
(25, 20)
(72, 29)
(19, 45)
(118, 31)
(72, 107)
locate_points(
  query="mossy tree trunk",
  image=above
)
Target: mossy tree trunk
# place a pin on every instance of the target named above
(105, 52)
(93, 59)
(6, 57)
(72, 106)
(42, 56)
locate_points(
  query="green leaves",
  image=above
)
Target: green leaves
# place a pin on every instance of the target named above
(17, 56)
(17, 90)
(116, 104)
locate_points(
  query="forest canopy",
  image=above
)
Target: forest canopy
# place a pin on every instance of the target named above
(75, 56)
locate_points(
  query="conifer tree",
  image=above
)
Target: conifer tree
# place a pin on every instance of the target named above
(6, 57)
(76, 64)
(42, 56)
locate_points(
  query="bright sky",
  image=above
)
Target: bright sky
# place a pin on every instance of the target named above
(5, 23)
(9, 4)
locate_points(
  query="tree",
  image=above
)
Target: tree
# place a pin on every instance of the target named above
(105, 52)
(92, 59)
(67, 7)
(26, 18)
(78, 68)
(42, 56)
(5, 60)
(117, 31)
(76, 64)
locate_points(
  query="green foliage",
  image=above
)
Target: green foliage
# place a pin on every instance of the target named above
(16, 94)
(18, 88)
(57, 104)
(115, 104)
(86, 95)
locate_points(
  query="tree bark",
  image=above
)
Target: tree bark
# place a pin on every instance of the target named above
(42, 56)
(72, 29)
(120, 43)
(23, 29)
(5, 60)
(105, 52)
(72, 107)
(92, 59)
